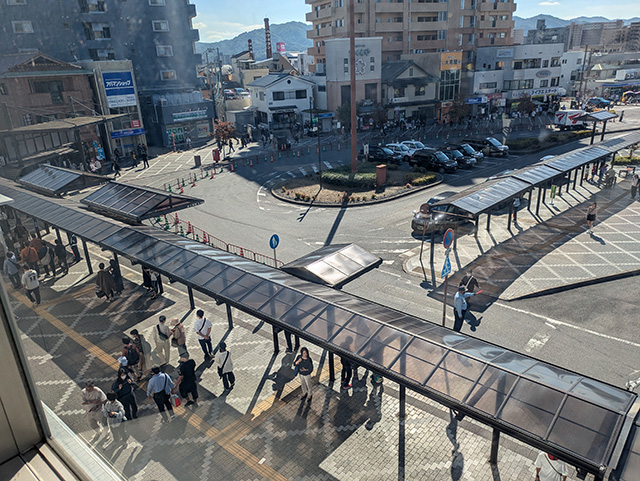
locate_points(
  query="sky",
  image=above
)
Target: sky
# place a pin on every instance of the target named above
(222, 19)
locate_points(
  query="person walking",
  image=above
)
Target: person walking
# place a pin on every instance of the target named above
(202, 328)
(145, 157)
(105, 283)
(304, 363)
(516, 206)
(469, 282)
(12, 269)
(347, 372)
(20, 231)
(231, 149)
(116, 169)
(634, 186)
(73, 244)
(591, 217)
(61, 255)
(179, 336)
(160, 386)
(124, 387)
(47, 259)
(114, 414)
(144, 349)
(225, 367)
(130, 351)
(31, 285)
(187, 381)
(29, 256)
(155, 283)
(550, 468)
(92, 399)
(460, 307)
(116, 273)
(162, 340)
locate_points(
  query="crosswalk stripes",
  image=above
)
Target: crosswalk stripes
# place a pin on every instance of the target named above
(291, 174)
(303, 171)
(327, 164)
(315, 169)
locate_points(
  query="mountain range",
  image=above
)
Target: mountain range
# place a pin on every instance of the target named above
(555, 22)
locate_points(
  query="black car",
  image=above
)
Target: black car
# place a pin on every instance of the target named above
(441, 216)
(488, 145)
(380, 154)
(418, 220)
(464, 161)
(466, 149)
(434, 160)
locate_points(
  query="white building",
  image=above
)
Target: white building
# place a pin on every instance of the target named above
(280, 99)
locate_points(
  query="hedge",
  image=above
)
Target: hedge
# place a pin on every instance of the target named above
(365, 180)
(417, 178)
(626, 161)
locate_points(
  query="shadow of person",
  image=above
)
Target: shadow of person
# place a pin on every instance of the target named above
(473, 321)
(598, 239)
(374, 406)
(284, 374)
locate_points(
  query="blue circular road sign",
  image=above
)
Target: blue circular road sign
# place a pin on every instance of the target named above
(447, 240)
(274, 241)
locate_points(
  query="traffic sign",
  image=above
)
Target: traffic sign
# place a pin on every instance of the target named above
(447, 239)
(274, 241)
(425, 208)
(446, 268)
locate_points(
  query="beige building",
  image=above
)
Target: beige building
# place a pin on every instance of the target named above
(409, 29)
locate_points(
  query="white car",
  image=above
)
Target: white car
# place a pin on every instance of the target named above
(401, 149)
(414, 145)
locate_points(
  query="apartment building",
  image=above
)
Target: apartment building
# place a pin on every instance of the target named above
(412, 28)
(603, 36)
(156, 35)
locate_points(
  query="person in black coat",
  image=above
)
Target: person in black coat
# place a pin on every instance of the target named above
(114, 268)
(124, 386)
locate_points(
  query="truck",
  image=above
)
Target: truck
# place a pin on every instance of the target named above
(566, 119)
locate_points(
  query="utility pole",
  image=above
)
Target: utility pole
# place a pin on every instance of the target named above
(584, 63)
(352, 54)
(312, 101)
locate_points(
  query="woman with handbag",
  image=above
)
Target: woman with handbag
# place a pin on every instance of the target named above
(179, 338)
(225, 367)
(304, 364)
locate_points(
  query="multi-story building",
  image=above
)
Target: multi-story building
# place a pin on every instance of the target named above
(156, 35)
(602, 36)
(410, 29)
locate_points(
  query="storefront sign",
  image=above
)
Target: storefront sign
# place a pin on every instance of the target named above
(136, 124)
(450, 60)
(118, 134)
(543, 73)
(399, 100)
(119, 89)
(628, 74)
(203, 131)
(280, 47)
(494, 96)
(475, 100)
(534, 92)
(191, 115)
(504, 53)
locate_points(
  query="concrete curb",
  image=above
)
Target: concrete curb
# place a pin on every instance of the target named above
(276, 194)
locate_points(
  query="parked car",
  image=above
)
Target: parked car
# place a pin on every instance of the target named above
(414, 145)
(432, 159)
(464, 161)
(402, 150)
(380, 154)
(440, 217)
(488, 145)
(419, 219)
(468, 150)
(229, 94)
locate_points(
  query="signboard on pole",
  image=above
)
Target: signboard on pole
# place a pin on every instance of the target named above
(273, 243)
(446, 268)
(118, 87)
(447, 240)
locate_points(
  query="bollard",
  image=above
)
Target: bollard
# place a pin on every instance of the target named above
(197, 238)
(338, 146)
(176, 221)
(183, 184)
(271, 158)
(298, 152)
(189, 228)
(204, 237)
(211, 174)
(170, 188)
(241, 252)
(251, 163)
(181, 231)
(181, 190)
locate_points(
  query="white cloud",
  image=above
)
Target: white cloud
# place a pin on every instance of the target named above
(200, 25)
(549, 4)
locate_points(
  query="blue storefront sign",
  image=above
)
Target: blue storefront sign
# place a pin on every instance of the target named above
(119, 134)
(475, 100)
(119, 89)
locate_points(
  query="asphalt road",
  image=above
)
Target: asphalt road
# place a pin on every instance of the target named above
(592, 330)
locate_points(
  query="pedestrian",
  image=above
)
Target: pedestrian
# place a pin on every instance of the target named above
(146, 279)
(460, 307)
(144, 349)
(516, 206)
(105, 283)
(47, 259)
(634, 186)
(20, 231)
(36, 242)
(162, 339)
(347, 372)
(61, 255)
(621, 115)
(225, 367)
(4, 222)
(179, 337)
(602, 171)
(187, 381)
(31, 284)
(594, 170)
(469, 282)
(117, 154)
(202, 328)
(73, 243)
(160, 386)
(188, 143)
(93, 398)
(231, 149)
(130, 351)
(550, 468)
(116, 169)
(114, 270)
(304, 365)
(145, 158)
(29, 256)
(124, 388)
(12, 269)
(114, 414)
(591, 217)
(155, 283)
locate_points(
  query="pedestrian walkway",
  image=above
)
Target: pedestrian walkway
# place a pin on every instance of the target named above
(261, 429)
(551, 252)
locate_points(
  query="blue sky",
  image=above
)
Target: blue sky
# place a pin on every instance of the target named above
(220, 19)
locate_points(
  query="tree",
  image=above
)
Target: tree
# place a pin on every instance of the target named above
(380, 116)
(344, 114)
(222, 132)
(526, 105)
(459, 109)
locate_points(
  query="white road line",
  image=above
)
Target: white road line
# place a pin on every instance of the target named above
(303, 171)
(537, 342)
(566, 324)
(315, 169)
(388, 262)
(327, 164)
(292, 174)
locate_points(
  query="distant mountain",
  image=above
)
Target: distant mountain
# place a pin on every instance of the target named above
(555, 22)
(293, 34)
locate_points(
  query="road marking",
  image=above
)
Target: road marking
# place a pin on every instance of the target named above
(388, 262)
(327, 164)
(566, 324)
(315, 169)
(303, 171)
(537, 342)
(292, 174)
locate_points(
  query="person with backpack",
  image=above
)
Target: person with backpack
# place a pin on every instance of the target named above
(130, 351)
(162, 339)
(124, 387)
(12, 269)
(225, 367)
(29, 256)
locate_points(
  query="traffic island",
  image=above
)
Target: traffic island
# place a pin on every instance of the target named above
(340, 187)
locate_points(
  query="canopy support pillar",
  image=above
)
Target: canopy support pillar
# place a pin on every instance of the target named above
(402, 414)
(489, 221)
(593, 133)
(229, 316)
(495, 444)
(538, 198)
(276, 344)
(332, 368)
(529, 203)
(510, 216)
(192, 302)
(575, 179)
(86, 256)
(604, 127)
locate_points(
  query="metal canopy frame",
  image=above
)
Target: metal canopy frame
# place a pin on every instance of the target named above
(574, 417)
(619, 143)
(333, 265)
(133, 203)
(599, 116)
(573, 160)
(52, 180)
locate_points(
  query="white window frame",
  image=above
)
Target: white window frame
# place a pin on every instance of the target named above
(162, 72)
(16, 2)
(157, 3)
(159, 50)
(23, 22)
(153, 25)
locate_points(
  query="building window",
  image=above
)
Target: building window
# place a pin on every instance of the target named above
(459, 39)
(420, 91)
(53, 87)
(160, 25)
(399, 92)
(555, 81)
(278, 96)
(164, 50)
(518, 84)
(544, 83)
(346, 65)
(167, 75)
(157, 3)
(461, 21)
(16, 2)
(442, 34)
(102, 54)
(322, 88)
(472, 39)
(301, 94)
(410, 71)
(555, 61)
(90, 6)
(472, 21)
(517, 65)
(442, 16)
(3, 90)
(428, 19)
(449, 84)
(371, 92)
(23, 26)
(578, 61)
(422, 38)
(96, 31)
(488, 85)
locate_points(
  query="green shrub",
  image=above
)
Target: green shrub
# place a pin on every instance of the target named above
(418, 178)
(626, 161)
(365, 180)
